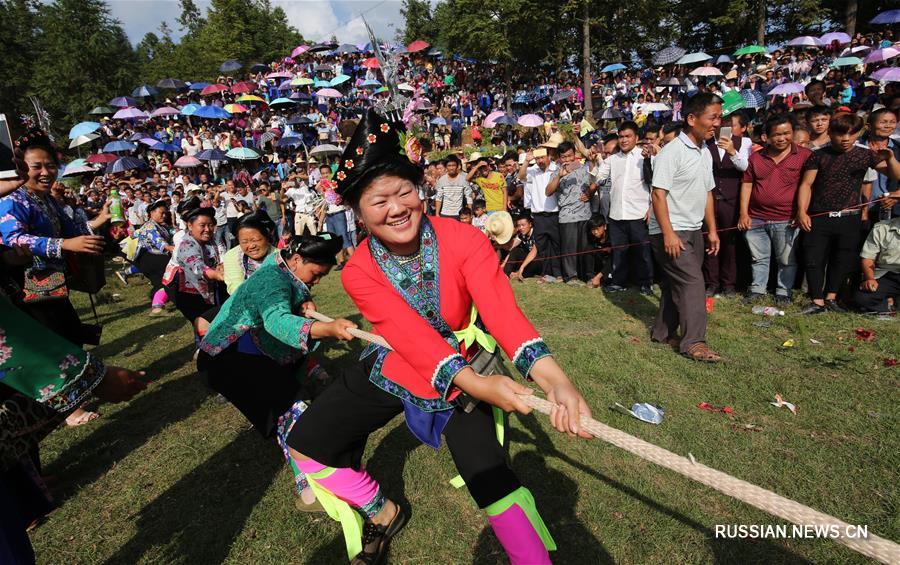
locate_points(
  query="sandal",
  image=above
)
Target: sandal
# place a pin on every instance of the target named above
(701, 352)
(315, 506)
(375, 539)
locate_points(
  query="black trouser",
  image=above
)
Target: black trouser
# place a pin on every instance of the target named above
(516, 258)
(720, 270)
(625, 232)
(683, 300)
(888, 286)
(59, 316)
(832, 243)
(546, 237)
(153, 267)
(333, 431)
(573, 240)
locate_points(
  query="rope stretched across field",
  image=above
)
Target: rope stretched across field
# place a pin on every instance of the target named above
(873, 546)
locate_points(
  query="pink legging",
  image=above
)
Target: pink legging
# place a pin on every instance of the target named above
(160, 297)
(357, 488)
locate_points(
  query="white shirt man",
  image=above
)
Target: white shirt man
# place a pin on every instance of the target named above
(629, 194)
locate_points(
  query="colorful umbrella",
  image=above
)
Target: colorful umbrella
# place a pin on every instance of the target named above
(211, 155)
(101, 158)
(116, 146)
(786, 88)
(144, 91)
(230, 66)
(888, 17)
(164, 111)
(101, 110)
(880, 55)
(242, 154)
(806, 41)
(668, 56)
(328, 93)
(753, 98)
(236, 108)
(212, 112)
(613, 68)
(130, 114)
(149, 141)
(846, 62)
(346, 49)
(322, 83)
(243, 87)
(325, 149)
(489, 119)
(213, 89)
(123, 102)
(250, 98)
(839, 36)
(301, 81)
(749, 50)
(417, 46)
(83, 128)
(268, 136)
(171, 84)
(671, 81)
(125, 164)
(530, 121)
(186, 162)
(691, 58)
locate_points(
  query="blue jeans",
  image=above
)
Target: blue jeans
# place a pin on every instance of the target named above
(221, 237)
(764, 240)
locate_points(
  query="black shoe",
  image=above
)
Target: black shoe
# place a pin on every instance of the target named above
(782, 300)
(376, 538)
(647, 290)
(710, 292)
(752, 297)
(813, 308)
(833, 306)
(613, 288)
(729, 293)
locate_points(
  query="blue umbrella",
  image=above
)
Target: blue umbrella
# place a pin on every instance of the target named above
(613, 68)
(753, 98)
(505, 120)
(198, 85)
(212, 112)
(288, 142)
(282, 102)
(230, 66)
(143, 91)
(320, 83)
(723, 59)
(340, 79)
(242, 154)
(888, 17)
(116, 146)
(123, 101)
(166, 147)
(211, 155)
(189, 109)
(346, 48)
(136, 136)
(370, 83)
(439, 121)
(125, 164)
(83, 128)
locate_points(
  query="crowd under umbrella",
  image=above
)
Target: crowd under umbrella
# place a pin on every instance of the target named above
(123, 101)
(839, 36)
(130, 114)
(786, 88)
(614, 67)
(171, 84)
(118, 146)
(242, 154)
(806, 41)
(289, 141)
(668, 55)
(186, 162)
(101, 158)
(212, 113)
(887, 74)
(749, 50)
(101, 111)
(753, 98)
(211, 155)
(887, 17)
(530, 121)
(83, 128)
(230, 66)
(846, 62)
(691, 58)
(279, 74)
(881, 55)
(163, 111)
(123, 164)
(144, 91)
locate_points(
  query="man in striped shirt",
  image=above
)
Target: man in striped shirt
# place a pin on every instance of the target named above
(452, 191)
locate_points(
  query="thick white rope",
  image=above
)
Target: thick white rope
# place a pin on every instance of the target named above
(873, 546)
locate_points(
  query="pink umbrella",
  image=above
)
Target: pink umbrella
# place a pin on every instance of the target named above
(887, 74)
(299, 50)
(329, 93)
(805, 41)
(838, 36)
(130, 114)
(187, 161)
(213, 89)
(880, 55)
(489, 120)
(706, 72)
(531, 121)
(280, 74)
(164, 111)
(786, 88)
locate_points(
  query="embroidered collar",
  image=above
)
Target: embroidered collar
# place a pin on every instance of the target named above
(282, 265)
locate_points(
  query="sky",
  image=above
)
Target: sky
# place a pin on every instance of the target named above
(315, 19)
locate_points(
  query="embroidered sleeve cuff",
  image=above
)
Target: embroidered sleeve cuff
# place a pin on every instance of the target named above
(528, 353)
(76, 391)
(54, 248)
(303, 337)
(444, 373)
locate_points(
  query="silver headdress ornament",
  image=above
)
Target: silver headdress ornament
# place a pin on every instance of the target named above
(40, 119)
(391, 107)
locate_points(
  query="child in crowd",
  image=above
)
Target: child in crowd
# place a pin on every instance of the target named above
(465, 216)
(599, 242)
(480, 209)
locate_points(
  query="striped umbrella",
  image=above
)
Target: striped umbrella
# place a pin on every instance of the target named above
(125, 164)
(211, 155)
(187, 161)
(668, 56)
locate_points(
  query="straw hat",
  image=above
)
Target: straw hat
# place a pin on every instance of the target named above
(554, 141)
(474, 156)
(499, 227)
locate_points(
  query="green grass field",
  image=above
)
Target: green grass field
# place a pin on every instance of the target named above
(175, 476)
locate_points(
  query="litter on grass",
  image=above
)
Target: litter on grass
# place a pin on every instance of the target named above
(642, 411)
(782, 403)
(713, 408)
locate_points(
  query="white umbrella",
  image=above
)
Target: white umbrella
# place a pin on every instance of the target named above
(82, 139)
(325, 149)
(655, 107)
(706, 72)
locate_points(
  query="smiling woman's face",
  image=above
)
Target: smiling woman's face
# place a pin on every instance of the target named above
(391, 209)
(42, 170)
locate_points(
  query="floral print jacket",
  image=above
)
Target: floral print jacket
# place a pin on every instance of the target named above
(188, 266)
